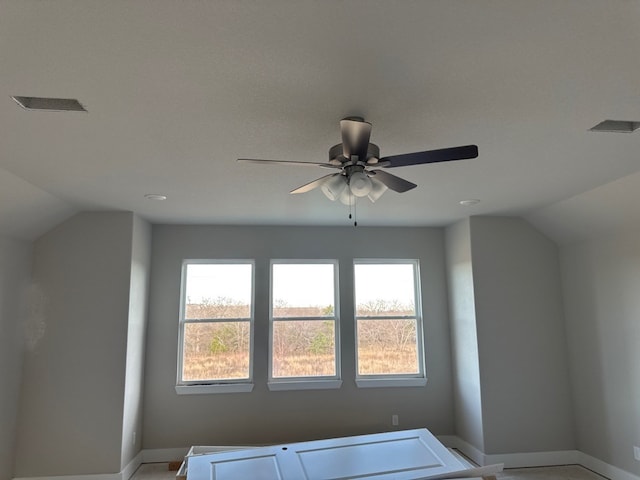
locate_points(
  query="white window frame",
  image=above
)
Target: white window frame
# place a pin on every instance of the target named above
(393, 380)
(214, 385)
(306, 383)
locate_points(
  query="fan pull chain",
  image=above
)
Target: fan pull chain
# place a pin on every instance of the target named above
(355, 212)
(353, 201)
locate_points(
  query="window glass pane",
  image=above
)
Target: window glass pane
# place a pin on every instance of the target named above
(387, 347)
(303, 290)
(385, 290)
(218, 291)
(216, 350)
(304, 348)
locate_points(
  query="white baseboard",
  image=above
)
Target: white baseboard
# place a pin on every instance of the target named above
(157, 455)
(471, 452)
(100, 476)
(535, 459)
(128, 471)
(510, 460)
(605, 469)
(125, 474)
(538, 459)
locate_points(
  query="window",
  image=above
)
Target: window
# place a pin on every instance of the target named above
(215, 338)
(304, 349)
(388, 323)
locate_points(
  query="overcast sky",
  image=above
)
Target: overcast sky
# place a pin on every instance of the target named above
(301, 285)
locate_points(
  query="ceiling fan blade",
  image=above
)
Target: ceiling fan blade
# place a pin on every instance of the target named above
(311, 185)
(396, 184)
(286, 162)
(355, 137)
(432, 156)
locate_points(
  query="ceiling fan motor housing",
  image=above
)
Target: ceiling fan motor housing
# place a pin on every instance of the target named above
(336, 156)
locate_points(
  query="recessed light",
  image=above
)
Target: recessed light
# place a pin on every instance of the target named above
(469, 202)
(155, 196)
(621, 126)
(50, 104)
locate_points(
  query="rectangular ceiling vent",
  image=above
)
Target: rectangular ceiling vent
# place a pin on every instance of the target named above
(622, 126)
(50, 104)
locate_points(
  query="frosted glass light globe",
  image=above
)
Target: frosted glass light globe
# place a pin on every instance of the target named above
(360, 184)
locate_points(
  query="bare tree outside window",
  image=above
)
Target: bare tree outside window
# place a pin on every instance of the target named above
(216, 322)
(303, 320)
(387, 319)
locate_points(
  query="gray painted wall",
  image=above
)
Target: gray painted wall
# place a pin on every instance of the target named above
(82, 379)
(136, 336)
(73, 385)
(600, 279)
(526, 396)
(464, 337)
(262, 416)
(15, 271)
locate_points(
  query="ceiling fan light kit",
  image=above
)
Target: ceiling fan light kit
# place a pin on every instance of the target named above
(377, 189)
(333, 186)
(359, 184)
(347, 198)
(361, 167)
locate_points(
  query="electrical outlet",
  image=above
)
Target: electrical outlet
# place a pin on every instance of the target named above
(394, 420)
(636, 453)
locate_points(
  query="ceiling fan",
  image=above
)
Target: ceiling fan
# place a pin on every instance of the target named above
(359, 168)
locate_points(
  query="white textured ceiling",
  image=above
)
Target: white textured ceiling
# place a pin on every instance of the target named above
(177, 90)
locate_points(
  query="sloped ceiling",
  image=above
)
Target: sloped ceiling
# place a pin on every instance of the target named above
(176, 91)
(27, 211)
(607, 208)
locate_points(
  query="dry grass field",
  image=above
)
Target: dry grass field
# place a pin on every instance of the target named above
(236, 365)
(219, 349)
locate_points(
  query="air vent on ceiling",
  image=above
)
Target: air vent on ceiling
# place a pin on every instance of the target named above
(50, 104)
(622, 126)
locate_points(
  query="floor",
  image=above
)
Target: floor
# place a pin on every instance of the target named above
(566, 472)
(160, 471)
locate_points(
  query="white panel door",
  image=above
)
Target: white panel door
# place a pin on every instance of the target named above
(404, 455)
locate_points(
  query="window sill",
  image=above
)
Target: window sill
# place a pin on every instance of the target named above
(214, 388)
(390, 382)
(304, 385)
